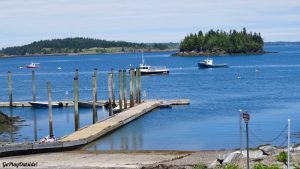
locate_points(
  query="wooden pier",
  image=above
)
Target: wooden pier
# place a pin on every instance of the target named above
(90, 133)
(121, 112)
(63, 103)
(93, 132)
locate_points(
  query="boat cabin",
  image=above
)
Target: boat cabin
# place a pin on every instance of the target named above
(208, 61)
(143, 66)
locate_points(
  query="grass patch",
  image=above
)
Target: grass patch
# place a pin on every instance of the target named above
(264, 166)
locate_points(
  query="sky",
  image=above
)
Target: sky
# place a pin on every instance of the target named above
(25, 21)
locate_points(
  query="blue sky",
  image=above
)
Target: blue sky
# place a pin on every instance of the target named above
(25, 21)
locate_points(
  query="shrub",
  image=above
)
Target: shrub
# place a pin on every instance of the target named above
(275, 166)
(282, 157)
(297, 166)
(264, 166)
(231, 166)
(227, 166)
(200, 166)
(260, 166)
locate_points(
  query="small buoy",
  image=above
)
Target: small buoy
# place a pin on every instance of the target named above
(239, 77)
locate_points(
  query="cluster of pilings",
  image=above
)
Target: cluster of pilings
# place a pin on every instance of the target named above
(10, 91)
(135, 84)
(113, 106)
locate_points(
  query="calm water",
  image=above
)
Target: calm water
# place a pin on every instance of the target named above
(265, 85)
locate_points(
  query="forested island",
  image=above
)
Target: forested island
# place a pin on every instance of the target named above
(83, 46)
(221, 43)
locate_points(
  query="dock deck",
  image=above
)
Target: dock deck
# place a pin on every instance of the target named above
(92, 132)
(64, 103)
(89, 133)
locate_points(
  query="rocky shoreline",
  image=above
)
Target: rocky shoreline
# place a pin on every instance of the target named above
(191, 54)
(7, 126)
(82, 53)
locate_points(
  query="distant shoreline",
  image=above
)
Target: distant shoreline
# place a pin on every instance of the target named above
(193, 54)
(83, 53)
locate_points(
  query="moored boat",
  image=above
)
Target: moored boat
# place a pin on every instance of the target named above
(208, 63)
(33, 65)
(152, 70)
(45, 104)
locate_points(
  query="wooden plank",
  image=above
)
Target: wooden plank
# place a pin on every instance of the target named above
(99, 129)
(65, 103)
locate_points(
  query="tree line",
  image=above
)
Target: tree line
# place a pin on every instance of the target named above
(222, 42)
(74, 45)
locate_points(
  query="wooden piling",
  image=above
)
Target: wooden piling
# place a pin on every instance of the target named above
(124, 89)
(109, 85)
(131, 88)
(35, 125)
(10, 89)
(76, 98)
(50, 109)
(95, 114)
(136, 85)
(12, 127)
(120, 91)
(113, 87)
(33, 86)
(139, 86)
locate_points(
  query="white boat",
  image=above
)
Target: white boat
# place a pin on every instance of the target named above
(208, 63)
(33, 65)
(45, 104)
(150, 70)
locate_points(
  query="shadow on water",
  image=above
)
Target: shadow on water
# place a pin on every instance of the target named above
(127, 139)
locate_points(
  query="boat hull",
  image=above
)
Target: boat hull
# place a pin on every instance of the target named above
(44, 104)
(204, 66)
(32, 67)
(155, 72)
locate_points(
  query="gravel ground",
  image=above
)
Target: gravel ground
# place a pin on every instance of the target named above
(144, 159)
(77, 159)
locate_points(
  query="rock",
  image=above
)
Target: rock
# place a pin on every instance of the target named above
(6, 120)
(232, 157)
(254, 154)
(296, 149)
(267, 150)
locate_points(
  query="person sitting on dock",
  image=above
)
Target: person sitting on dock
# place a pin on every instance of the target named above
(48, 139)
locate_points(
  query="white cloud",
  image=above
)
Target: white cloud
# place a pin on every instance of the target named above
(135, 20)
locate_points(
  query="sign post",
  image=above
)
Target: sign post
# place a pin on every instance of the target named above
(246, 118)
(289, 140)
(241, 130)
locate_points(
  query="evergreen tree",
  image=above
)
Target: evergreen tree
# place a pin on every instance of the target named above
(221, 41)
